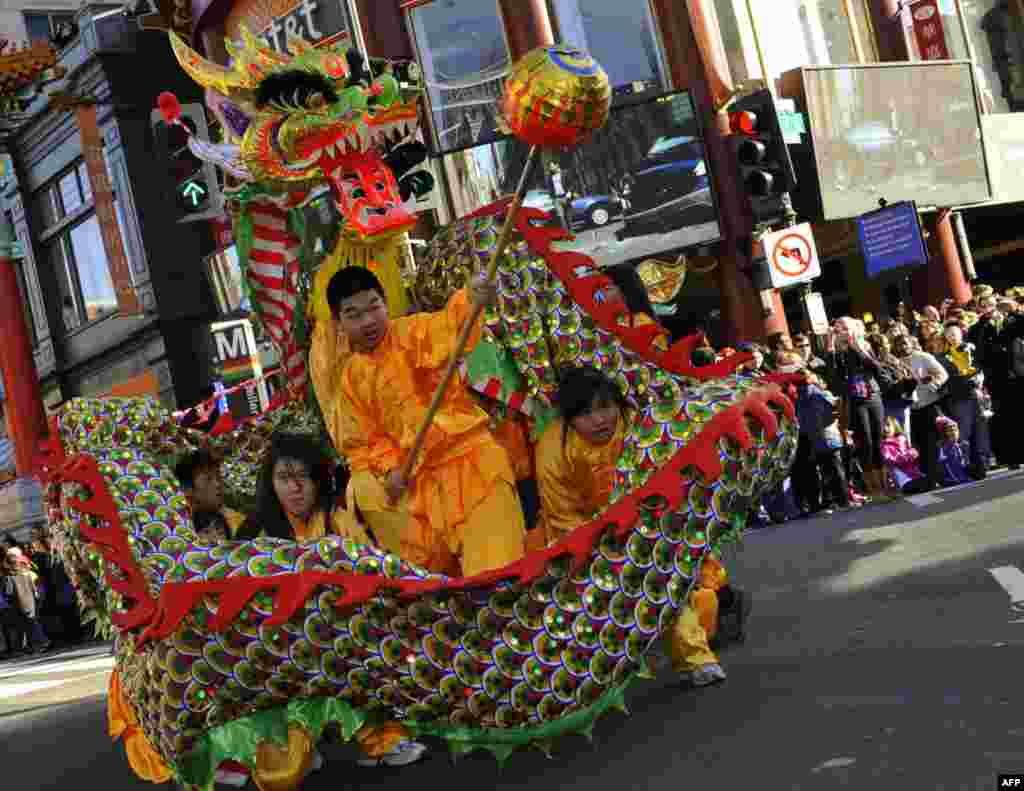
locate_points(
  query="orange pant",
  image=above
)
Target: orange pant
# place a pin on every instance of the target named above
(284, 768)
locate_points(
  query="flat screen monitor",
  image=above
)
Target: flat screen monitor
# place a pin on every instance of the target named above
(898, 132)
(639, 187)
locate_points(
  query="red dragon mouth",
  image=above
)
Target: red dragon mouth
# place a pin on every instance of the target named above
(360, 147)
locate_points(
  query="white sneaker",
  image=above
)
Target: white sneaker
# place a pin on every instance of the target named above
(403, 754)
(707, 675)
(231, 778)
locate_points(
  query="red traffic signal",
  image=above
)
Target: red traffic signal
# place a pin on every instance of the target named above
(743, 122)
(760, 148)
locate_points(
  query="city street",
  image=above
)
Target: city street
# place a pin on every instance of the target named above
(601, 244)
(883, 653)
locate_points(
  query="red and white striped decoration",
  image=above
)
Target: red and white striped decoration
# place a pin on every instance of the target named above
(273, 273)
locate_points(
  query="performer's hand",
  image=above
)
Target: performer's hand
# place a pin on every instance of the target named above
(395, 486)
(483, 290)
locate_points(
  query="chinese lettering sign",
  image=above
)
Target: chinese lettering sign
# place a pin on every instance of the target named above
(928, 30)
(103, 199)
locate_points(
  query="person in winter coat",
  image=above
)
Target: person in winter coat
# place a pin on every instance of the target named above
(22, 581)
(962, 401)
(901, 459)
(58, 601)
(931, 377)
(13, 625)
(953, 454)
(819, 462)
(857, 372)
(1010, 394)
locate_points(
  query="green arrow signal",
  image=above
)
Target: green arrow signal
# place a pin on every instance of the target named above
(194, 192)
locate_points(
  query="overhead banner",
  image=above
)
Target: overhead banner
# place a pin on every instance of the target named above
(929, 31)
(103, 198)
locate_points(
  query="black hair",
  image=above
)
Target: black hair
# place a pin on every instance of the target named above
(192, 463)
(357, 71)
(293, 88)
(348, 282)
(270, 515)
(634, 292)
(580, 388)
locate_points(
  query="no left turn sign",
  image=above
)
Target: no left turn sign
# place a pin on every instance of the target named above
(792, 255)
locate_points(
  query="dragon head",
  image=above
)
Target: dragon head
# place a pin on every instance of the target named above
(315, 117)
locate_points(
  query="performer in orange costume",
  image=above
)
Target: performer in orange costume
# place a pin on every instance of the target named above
(576, 459)
(463, 511)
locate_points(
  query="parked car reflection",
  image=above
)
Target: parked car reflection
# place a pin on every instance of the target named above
(669, 189)
(590, 211)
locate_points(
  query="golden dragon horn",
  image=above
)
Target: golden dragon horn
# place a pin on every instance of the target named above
(298, 45)
(208, 74)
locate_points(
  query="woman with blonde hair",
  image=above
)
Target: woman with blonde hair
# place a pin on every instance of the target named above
(857, 373)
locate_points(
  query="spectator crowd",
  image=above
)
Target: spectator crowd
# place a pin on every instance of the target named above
(899, 406)
(38, 607)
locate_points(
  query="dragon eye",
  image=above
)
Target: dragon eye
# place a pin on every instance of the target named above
(335, 66)
(358, 192)
(380, 185)
(315, 101)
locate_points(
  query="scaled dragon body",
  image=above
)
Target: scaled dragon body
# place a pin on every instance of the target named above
(223, 646)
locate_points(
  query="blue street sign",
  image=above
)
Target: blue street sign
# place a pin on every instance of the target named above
(891, 238)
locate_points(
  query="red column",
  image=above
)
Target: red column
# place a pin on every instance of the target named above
(944, 277)
(742, 314)
(24, 404)
(527, 25)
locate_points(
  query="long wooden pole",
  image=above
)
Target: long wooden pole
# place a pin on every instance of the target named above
(467, 328)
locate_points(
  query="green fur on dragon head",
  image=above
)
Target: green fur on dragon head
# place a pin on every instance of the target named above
(296, 125)
(316, 117)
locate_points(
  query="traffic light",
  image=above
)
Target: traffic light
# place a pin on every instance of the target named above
(761, 152)
(194, 182)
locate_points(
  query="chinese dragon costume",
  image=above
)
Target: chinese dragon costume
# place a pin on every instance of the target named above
(224, 646)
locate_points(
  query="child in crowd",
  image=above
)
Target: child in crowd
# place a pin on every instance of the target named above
(901, 459)
(953, 453)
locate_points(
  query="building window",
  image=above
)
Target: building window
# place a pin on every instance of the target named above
(995, 30)
(23, 289)
(621, 36)
(43, 25)
(794, 33)
(465, 59)
(73, 248)
(26, 306)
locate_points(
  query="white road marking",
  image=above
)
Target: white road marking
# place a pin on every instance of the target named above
(835, 763)
(17, 690)
(8, 691)
(921, 500)
(106, 662)
(1012, 581)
